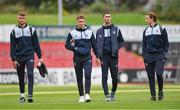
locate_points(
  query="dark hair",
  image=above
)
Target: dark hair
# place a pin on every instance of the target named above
(22, 14)
(80, 17)
(106, 11)
(153, 16)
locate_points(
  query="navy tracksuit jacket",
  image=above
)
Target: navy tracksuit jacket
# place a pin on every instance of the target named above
(155, 43)
(24, 42)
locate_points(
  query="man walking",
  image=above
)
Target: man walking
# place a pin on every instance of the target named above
(109, 40)
(155, 49)
(23, 43)
(80, 41)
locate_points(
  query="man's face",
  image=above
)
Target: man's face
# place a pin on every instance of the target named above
(107, 18)
(21, 19)
(148, 20)
(81, 23)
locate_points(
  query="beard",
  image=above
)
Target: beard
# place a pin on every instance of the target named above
(108, 22)
(22, 22)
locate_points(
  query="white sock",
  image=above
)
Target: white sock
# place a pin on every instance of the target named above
(22, 95)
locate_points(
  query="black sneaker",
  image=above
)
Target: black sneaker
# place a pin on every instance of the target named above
(161, 96)
(112, 96)
(22, 99)
(30, 99)
(153, 98)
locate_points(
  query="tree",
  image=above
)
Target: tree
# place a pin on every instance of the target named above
(168, 10)
(71, 5)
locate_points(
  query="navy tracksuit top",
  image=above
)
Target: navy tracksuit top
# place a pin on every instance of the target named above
(109, 40)
(84, 41)
(155, 43)
(24, 42)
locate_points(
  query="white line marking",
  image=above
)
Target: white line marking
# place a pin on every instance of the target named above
(95, 91)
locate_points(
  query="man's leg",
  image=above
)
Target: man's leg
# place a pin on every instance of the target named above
(21, 71)
(87, 69)
(114, 75)
(30, 74)
(159, 74)
(79, 75)
(104, 67)
(150, 68)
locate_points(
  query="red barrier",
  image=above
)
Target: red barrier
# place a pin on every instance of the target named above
(55, 55)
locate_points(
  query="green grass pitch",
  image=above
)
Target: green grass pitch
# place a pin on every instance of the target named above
(133, 97)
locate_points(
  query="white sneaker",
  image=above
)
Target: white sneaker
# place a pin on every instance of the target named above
(87, 98)
(107, 98)
(81, 99)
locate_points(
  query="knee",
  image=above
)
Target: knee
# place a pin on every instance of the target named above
(114, 76)
(78, 78)
(87, 77)
(114, 79)
(159, 76)
(30, 75)
(104, 79)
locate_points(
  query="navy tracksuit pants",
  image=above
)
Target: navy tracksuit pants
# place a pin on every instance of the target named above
(152, 68)
(29, 64)
(109, 62)
(80, 64)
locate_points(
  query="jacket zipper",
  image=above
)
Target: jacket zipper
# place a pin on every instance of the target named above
(22, 32)
(152, 31)
(81, 34)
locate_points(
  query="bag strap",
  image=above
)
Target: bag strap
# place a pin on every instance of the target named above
(13, 32)
(30, 28)
(161, 29)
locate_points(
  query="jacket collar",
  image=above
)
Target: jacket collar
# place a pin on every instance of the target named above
(154, 25)
(106, 27)
(22, 27)
(80, 29)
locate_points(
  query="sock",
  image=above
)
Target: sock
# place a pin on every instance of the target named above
(112, 92)
(22, 95)
(30, 96)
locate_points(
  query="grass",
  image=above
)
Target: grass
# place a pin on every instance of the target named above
(91, 19)
(66, 97)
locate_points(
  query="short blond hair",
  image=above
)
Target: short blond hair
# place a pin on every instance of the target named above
(152, 15)
(106, 11)
(80, 17)
(22, 13)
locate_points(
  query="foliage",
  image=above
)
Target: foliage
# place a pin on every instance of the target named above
(168, 10)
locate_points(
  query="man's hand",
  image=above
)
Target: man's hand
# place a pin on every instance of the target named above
(98, 61)
(39, 62)
(15, 64)
(72, 41)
